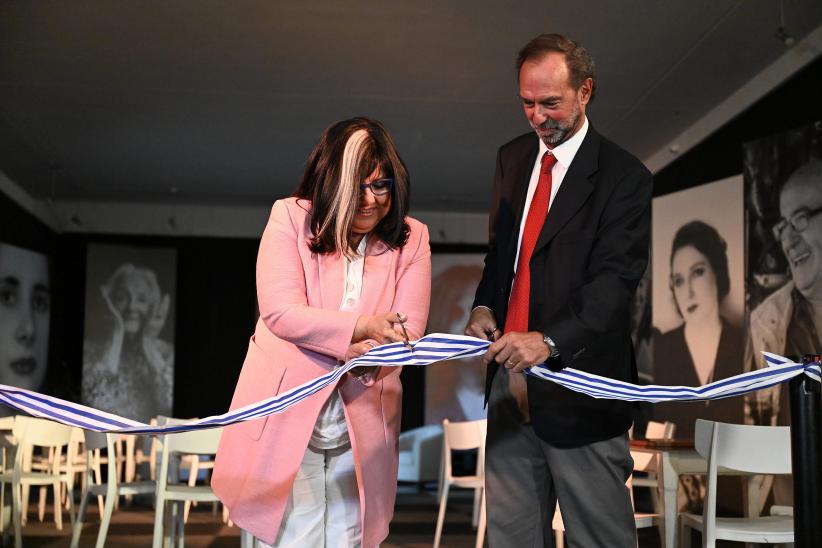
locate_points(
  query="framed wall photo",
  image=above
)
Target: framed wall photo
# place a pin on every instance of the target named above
(783, 197)
(454, 389)
(128, 343)
(698, 296)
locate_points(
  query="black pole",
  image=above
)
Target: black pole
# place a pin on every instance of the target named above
(806, 458)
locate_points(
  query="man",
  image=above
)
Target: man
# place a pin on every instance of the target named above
(570, 217)
(789, 321)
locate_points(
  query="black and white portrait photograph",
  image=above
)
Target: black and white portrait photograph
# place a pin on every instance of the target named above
(454, 390)
(698, 251)
(783, 197)
(25, 316)
(128, 350)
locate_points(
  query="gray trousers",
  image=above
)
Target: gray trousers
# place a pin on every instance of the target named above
(525, 476)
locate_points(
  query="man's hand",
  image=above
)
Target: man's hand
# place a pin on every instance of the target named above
(518, 351)
(481, 324)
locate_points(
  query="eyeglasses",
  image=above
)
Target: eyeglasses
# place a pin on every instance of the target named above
(799, 221)
(378, 187)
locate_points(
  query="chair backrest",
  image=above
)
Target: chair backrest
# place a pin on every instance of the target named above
(751, 449)
(462, 436)
(197, 442)
(660, 430)
(41, 432)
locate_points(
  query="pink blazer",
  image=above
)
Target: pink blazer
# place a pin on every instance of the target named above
(302, 334)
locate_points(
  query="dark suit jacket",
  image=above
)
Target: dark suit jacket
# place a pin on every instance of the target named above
(586, 265)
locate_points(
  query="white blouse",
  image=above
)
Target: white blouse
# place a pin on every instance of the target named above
(330, 430)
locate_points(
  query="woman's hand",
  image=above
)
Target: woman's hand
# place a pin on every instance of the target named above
(365, 374)
(379, 327)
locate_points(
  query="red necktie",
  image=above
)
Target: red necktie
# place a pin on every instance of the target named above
(517, 317)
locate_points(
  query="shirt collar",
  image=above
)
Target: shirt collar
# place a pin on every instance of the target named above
(566, 151)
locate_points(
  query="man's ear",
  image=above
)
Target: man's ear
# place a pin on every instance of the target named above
(585, 90)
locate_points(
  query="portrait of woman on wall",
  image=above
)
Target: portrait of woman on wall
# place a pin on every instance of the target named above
(128, 363)
(706, 347)
(25, 315)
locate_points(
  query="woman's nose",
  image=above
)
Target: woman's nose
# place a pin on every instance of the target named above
(25, 329)
(367, 197)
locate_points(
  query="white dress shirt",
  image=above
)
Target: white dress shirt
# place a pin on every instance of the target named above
(330, 430)
(564, 154)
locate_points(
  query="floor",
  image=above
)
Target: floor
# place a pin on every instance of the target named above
(413, 526)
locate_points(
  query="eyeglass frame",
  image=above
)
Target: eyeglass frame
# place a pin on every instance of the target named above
(807, 214)
(368, 186)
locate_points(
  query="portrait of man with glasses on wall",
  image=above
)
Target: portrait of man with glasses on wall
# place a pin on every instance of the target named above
(785, 264)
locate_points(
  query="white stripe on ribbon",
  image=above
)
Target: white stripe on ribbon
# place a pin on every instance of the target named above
(427, 350)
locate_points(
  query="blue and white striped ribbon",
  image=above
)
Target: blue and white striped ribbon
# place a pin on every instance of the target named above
(427, 350)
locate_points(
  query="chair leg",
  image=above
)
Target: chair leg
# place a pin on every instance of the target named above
(180, 525)
(18, 518)
(157, 541)
(41, 504)
(58, 509)
(246, 539)
(193, 471)
(476, 511)
(77, 530)
(105, 518)
(481, 524)
(441, 514)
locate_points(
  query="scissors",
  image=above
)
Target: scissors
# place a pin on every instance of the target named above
(404, 332)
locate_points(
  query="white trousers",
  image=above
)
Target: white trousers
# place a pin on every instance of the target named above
(324, 507)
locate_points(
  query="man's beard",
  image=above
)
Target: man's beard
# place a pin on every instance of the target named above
(561, 131)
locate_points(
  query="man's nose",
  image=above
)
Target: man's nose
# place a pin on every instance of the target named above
(538, 115)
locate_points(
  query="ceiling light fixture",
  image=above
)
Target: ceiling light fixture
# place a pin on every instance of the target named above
(782, 33)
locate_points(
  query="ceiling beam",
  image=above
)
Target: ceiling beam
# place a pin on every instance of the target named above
(792, 61)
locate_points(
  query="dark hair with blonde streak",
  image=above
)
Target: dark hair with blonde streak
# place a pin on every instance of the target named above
(345, 155)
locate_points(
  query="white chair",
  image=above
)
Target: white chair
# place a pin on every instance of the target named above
(420, 453)
(647, 463)
(198, 442)
(112, 489)
(463, 436)
(30, 433)
(750, 449)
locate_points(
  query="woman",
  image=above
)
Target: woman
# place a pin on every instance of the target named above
(131, 373)
(339, 264)
(705, 348)
(25, 311)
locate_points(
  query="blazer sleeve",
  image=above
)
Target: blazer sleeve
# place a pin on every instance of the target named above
(488, 282)
(413, 293)
(617, 261)
(282, 294)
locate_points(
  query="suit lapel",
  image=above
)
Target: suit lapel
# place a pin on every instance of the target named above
(574, 191)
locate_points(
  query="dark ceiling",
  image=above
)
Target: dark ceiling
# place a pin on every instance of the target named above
(219, 103)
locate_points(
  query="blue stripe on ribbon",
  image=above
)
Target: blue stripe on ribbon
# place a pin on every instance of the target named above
(427, 350)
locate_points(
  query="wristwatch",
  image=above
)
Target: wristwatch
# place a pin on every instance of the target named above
(552, 347)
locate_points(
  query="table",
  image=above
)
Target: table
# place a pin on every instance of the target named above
(675, 458)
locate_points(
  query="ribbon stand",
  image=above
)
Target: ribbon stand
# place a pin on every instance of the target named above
(806, 458)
